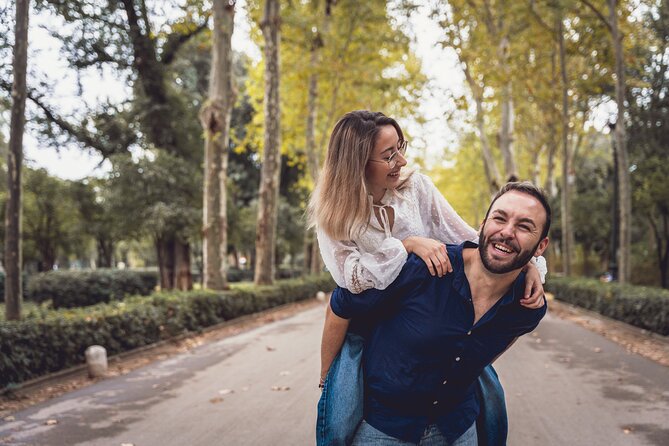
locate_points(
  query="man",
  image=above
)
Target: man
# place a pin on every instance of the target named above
(429, 338)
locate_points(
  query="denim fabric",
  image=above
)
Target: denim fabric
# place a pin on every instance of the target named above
(341, 404)
(492, 422)
(367, 435)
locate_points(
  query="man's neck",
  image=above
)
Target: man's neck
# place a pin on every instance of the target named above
(486, 287)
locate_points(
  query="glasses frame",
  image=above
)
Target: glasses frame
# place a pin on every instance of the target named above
(392, 159)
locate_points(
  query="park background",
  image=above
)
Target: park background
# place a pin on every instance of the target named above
(203, 142)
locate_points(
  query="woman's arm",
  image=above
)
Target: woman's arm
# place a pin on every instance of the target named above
(359, 271)
(334, 333)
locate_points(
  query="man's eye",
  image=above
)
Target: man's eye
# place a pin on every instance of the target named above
(498, 218)
(524, 228)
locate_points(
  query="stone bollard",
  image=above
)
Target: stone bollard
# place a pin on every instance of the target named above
(96, 359)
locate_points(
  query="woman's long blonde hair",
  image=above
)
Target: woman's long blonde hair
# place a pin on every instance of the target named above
(340, 203)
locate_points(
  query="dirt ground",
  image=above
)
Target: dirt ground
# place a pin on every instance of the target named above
(641, 342)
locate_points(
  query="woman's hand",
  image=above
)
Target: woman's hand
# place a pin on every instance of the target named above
(534, 290)
(432, 252)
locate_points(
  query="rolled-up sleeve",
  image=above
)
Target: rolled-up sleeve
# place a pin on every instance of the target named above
(347, 305)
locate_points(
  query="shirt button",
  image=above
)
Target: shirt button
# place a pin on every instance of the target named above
(469, 333)
(445, 382)
(457, 359)
(434, 403)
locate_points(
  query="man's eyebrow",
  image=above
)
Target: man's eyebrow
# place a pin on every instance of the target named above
(528, 220)
(521, 220)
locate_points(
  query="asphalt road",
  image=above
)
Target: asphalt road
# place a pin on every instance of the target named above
(564, 385)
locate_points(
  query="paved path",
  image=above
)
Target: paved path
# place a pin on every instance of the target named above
(565, 386)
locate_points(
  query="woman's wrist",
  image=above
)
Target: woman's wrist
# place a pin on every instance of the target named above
(407, 242)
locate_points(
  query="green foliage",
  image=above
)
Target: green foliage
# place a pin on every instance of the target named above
(37, 346)
(644, 307)
(70, 289)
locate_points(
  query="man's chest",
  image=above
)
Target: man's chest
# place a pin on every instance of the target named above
(443, 334)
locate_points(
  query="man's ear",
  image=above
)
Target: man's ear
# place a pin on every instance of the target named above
(542, 247)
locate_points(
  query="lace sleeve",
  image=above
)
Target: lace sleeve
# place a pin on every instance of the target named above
(441, 221)
(358, 271)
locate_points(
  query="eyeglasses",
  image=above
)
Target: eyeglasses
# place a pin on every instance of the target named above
(392, 159)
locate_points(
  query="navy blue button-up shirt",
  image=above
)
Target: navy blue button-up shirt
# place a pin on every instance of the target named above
(423, 353)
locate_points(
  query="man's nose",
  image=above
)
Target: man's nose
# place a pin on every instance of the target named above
(506, 231)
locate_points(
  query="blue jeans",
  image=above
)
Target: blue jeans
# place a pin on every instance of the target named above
(370, 436)
(340, 408)
(341, 403)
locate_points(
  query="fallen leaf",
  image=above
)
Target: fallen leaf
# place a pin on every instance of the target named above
(628, 430)
(225, 391)
(270, 349)
(538, 340)
(245, 388)
(127, 444)
(10, 418)
(597, 350)
(284, 373)
(215, 400)
(280, 388)
(51, 422)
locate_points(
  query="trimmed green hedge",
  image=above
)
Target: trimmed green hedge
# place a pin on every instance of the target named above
(71, 289)
(644, 307)
(58, 339)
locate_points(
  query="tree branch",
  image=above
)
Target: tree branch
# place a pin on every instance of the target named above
(598, 14)
(80, 134)
(177, 40)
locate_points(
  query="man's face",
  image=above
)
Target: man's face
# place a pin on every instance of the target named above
(511, 235)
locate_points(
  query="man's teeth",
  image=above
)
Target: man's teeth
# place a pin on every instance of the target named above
(502, 248)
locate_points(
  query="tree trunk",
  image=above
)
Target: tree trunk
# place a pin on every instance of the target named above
(164, 251)
(661, 238)
(173, 263)
(567, 230)
(506, 125)
(269, 176)
(550, 186)
(105, 252)
(183, 279)
(621, 152)
(313, 260)
(491, 172)
(13, 248)
(215, 120)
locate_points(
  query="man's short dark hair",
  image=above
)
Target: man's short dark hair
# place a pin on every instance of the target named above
(528, 188)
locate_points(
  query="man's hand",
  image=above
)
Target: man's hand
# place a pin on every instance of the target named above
(432, 252)
(534, 289)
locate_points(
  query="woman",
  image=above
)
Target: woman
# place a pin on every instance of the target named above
(369, 216)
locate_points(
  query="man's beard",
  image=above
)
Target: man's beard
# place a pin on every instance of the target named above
(520, 260)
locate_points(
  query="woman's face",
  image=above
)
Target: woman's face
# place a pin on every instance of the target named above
(378, 173)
